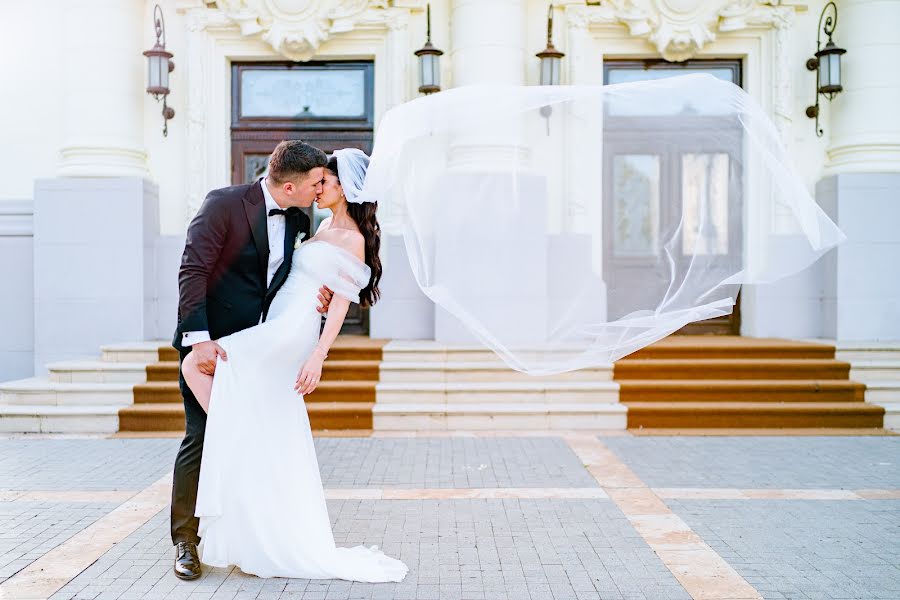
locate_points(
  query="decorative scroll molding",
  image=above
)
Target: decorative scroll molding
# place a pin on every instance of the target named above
(296, 28)
(681, 28)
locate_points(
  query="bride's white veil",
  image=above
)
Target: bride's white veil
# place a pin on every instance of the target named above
(569, 226)
(352, 165)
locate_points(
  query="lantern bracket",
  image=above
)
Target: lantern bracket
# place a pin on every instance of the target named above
(827, 27)
(158, 87)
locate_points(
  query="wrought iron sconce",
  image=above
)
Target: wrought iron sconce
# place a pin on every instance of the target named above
(826, 63)
(551, 58)
(429, 63)
(159, 65)
(551, 62)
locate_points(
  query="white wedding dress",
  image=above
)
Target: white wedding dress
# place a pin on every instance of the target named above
(260, 498)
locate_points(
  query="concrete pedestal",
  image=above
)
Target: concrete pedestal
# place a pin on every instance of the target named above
(94, 263)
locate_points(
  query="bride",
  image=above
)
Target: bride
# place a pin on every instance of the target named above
(260, 499)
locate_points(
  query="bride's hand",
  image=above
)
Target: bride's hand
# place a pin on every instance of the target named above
(309, 375)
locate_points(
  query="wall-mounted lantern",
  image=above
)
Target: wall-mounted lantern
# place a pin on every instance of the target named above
(551, 58)
(826, 64)
(429, 62)
(159, 65)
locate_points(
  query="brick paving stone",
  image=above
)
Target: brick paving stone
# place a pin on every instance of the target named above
(762, 461)
(450, 463)
(804, 548)
(84, 464)
(566, 549)
(28, 530)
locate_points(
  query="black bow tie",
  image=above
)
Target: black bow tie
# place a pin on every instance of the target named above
(293, 211)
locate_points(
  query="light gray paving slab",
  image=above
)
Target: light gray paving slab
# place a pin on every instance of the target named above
(84, 464)
(804, 548)
(450, 463)
(28, 530)
(464, 549)
(762, 461)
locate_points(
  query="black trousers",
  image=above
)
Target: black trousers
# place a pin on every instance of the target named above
(187, 466)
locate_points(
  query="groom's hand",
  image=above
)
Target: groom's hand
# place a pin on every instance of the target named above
(325, 296)
(206, 353)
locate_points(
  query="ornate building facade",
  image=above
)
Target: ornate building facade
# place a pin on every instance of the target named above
(95, 200)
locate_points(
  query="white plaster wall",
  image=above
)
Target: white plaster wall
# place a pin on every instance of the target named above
(168, 157)
(32, 104)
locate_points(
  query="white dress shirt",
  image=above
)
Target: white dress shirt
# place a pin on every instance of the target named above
(276, 231)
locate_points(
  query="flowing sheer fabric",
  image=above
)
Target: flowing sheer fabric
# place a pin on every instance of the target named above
(570, 226)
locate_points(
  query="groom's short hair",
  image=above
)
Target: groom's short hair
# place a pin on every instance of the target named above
(292, 158)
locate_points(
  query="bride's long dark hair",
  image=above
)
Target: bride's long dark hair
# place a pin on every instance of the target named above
(364, 215)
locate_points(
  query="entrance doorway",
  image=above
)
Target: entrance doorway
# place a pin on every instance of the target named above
(666, 180)
(326, 104)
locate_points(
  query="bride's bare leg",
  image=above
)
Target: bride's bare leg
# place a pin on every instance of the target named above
(199, 382)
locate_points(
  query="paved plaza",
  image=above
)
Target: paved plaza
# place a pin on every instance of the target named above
(493, 515)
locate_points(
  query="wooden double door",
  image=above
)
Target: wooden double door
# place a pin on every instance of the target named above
(326, 104)
(672, 193)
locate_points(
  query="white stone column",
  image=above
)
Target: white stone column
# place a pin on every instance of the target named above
(488, 41)
(864, 121)
(861, 191)
(103, 89)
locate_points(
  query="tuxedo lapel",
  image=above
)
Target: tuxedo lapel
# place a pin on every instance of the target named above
(255, 207)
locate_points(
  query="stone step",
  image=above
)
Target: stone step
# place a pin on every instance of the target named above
(345, 347)
(427, 351)
(97, 371)
(143, 352)
(731, 368)
(687, 415)
(734, 347)
(883, 392)
(868, 351)
(40, 418)
(503, 416)
(497, 393)
(891, 414)
(477, 371)
(40, 391)
(168, 392)
(875, 370)
(170, 417)
(756, 391)
(333, 370)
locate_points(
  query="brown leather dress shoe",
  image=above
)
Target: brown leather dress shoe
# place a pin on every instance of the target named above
(187, 562)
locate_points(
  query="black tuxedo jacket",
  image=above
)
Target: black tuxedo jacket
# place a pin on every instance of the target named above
(222, 281)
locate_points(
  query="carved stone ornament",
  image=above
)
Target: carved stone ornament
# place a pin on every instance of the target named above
(680, 28)
(296, 28)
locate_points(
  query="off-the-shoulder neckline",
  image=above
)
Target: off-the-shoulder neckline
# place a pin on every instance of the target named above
(335, 246)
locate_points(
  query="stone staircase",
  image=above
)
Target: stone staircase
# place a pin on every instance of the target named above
(343, 400)
(78, 396)
(680, 382)
(877, 365)
(688, 382)
(429, 386)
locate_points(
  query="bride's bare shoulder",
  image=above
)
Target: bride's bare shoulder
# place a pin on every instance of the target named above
(348, 239)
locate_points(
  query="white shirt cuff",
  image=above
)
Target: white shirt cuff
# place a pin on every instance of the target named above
(189, 338)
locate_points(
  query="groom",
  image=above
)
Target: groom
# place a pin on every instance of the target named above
(236, 256)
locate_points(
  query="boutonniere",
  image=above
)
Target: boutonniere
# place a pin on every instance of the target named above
(299, 239)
